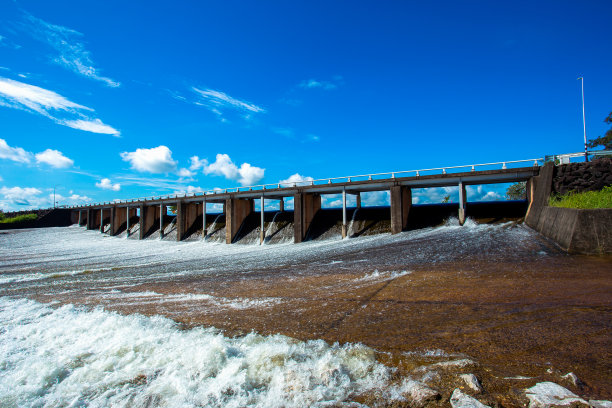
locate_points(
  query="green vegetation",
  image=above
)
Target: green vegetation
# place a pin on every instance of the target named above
(586, 200)
(517, 191)
(606, 140)
(19, 218)
(446, 199)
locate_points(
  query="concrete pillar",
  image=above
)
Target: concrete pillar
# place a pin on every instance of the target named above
(162, 210)
(147, 220)
(262, 232)
(80, 217)
(236, 211)
(186, 217)
(91, 219)
(358, 198)
(101, 219)
(401, 201)
(282, 205)
(118, 217)
(305, 206)
(127, 222)
(540, 188)
(204, 229)
(180, 220)
(462, 203)
(344, 213)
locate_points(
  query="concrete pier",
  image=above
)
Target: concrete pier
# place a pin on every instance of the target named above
(305, 206)
(236, 211)
(462, 203)
(401, 201)
(118, 217)
(187, 215)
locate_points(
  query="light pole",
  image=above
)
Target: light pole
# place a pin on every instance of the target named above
(54, 187)
(586, 156)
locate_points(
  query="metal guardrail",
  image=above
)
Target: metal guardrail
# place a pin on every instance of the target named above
(346, 179)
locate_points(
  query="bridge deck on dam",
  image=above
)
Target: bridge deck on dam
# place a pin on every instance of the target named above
(239, 210)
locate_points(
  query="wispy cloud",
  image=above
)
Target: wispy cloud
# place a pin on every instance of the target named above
(320, 84)
(166, 184)
(71, 51)
(31, 98)
(219, 103)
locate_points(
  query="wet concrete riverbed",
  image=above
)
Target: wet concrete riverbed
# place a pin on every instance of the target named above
(500, 296)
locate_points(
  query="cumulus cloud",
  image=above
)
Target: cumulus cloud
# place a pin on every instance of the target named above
(185, 173)
(297, 180)
(20, 196)
(31, 98)
(16, 154)
(71, 51)
(223, 165)
(196, 163)
(106, 184)
(54, 158)
(154, 160)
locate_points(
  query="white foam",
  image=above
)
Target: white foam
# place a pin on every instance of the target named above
(74, 357)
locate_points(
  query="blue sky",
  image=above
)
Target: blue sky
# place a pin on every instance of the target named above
(108, 100)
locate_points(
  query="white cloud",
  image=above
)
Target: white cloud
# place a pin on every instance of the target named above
(154, 160)
(106, 184)
(224, 166)
(197, 163)
(19, 198)
(218, 102)
(68, 44)
(31, 98)
(16, 154)
(325, 85)
(54, 158)
(94, 126)
(161, 183)
(185, 173)
(249, 175)
(297, 180)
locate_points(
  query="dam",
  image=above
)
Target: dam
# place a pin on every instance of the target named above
(147, 216)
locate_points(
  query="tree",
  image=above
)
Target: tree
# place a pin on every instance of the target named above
(517, 191)
(446, 199)
(606, 139)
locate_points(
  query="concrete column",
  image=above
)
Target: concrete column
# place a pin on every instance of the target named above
(188, 217)
(89, 219)
(540, 190)
(236, 212)
(282, 205)
(358, 198)
(262, 232)
(204, 230)
(127, 222)
(147, 220)
(180, 220)
(305, 206)
(401, 201)
(462, 203)
(344, 213)
(80, 217)
(118, 217)
(101, 219)
(162, 210)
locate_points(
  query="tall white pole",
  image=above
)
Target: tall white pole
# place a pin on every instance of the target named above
(586, 156)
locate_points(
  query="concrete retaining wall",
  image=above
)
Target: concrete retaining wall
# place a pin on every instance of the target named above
(577, 231)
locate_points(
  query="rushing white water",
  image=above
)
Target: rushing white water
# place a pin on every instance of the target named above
(77, 357)
(350, 231)
(272, 227)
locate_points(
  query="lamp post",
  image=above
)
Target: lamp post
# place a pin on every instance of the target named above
(586, 156)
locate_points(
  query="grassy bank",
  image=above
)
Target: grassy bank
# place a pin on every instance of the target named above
(19, 218)
(585, 200)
